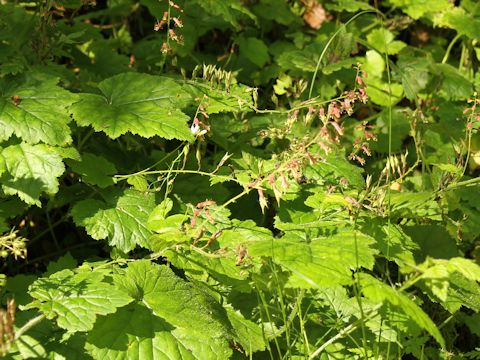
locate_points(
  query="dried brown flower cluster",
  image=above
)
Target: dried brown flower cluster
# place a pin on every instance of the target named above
(315, 14)
(472, 112)
(166, 20)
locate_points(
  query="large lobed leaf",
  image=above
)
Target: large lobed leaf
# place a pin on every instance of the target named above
(137, 103)
(170, 319)
(313, 263)
(76, 299)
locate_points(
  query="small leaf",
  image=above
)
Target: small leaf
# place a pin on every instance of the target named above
(159, 214)
(138, 182)
(121, 219)
(254, 50)
(383, 40)
(138, 103)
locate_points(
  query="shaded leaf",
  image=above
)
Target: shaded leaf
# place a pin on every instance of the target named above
(93, 169)
(254, 50)
(377, 291)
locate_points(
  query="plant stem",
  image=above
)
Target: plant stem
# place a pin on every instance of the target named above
(31, 323)
(324, 51)
(449, 48)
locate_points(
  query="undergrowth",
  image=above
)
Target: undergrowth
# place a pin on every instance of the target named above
(259, 179)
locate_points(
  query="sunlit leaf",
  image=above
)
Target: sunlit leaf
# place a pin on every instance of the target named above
(137, 103)
(121, 218)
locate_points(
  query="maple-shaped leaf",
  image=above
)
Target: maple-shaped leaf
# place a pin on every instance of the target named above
(75, 299)
(35, 110)
(171, 319)
(141, 104)
(121, 218)
(321, 262)
(30, 170)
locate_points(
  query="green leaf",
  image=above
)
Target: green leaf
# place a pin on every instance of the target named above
(380, 292)
(35, 111)
(30, 348)
(415, 74)
(75, 299)
(93, 169)
(254, 50)
(400, 129)
(349, 5)
(121, 218)
(169, 230)
(392, 242)
(318, 263)
(415, 204)
(137, 103)
(374, 63)
(169, 320)
(454, 84)
(382, 93)
(228, 10)
(218, 99)
(31, 170)
(337, 166)
(138, 182)
(159, 214)
(383, 40)
(135, 333)
(222, 268)
(273, 10)
(434, 241)
(250, 334)
(441, 267)
(305, 59)
(66, 261)
(418, 8)
(460, 20)
(323, 201)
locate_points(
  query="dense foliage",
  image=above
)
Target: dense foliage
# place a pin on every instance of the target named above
(215, 179)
